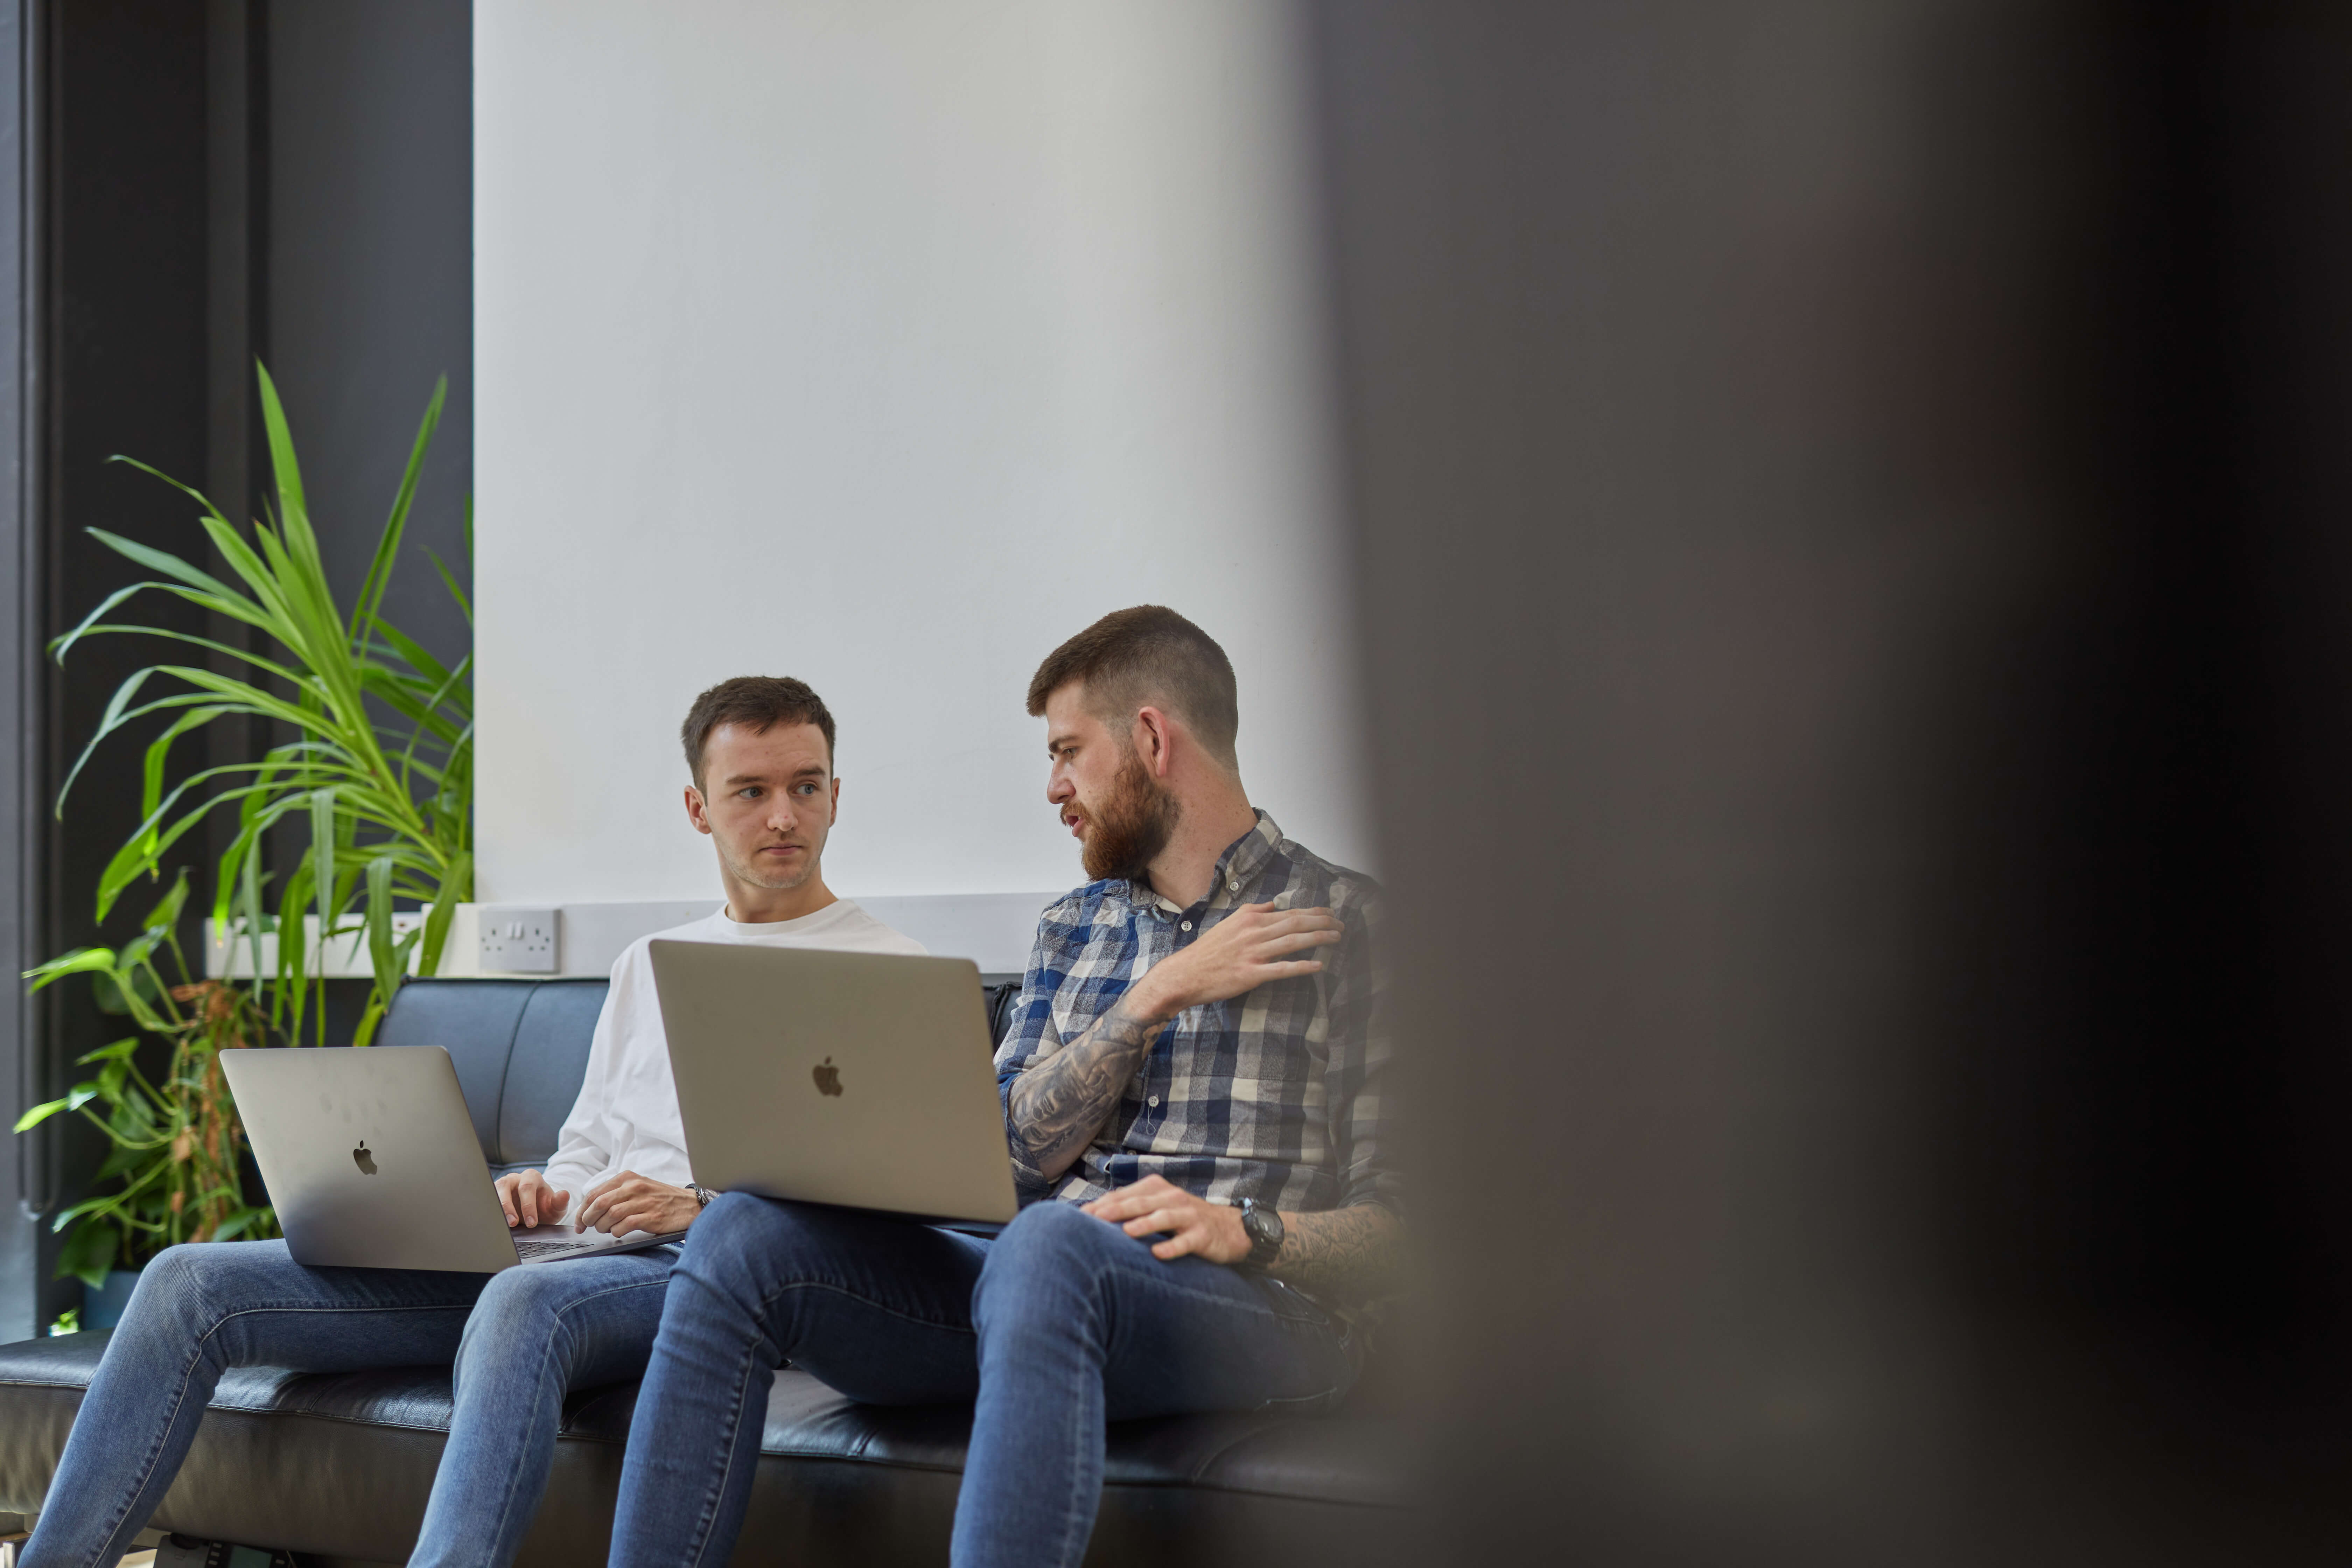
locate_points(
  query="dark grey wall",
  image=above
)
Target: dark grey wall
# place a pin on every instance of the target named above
(123, 368)
(370, 284)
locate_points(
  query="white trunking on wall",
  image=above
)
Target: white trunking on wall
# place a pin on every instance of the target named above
(993, 930)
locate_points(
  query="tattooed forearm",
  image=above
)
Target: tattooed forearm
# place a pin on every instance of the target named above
(1057, 1106)
(1350, 1254)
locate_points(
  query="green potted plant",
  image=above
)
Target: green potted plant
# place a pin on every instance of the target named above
(378, 779)
(177, 1146)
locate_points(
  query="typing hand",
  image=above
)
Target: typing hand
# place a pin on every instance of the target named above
(530, 1201)
(1193, 1223)
(1256, 943)
(625, 1202)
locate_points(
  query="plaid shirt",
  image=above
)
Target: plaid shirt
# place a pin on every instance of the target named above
(1274, 1095)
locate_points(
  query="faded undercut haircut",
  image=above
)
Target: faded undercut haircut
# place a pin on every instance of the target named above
(757, 702)
(1148, 655)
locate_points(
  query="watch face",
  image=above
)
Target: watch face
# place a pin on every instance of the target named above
(1263, 1224)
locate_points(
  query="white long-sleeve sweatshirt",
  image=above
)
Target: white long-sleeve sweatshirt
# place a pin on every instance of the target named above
(626, 1116)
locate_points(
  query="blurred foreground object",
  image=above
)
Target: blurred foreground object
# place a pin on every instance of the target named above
(1856, 534)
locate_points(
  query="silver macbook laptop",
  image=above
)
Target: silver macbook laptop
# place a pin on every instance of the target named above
(856, 1079)
(372, 1162)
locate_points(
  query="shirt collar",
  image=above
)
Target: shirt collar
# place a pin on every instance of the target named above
(1243, 858)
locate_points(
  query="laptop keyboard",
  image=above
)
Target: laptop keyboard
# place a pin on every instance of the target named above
(533, 1248)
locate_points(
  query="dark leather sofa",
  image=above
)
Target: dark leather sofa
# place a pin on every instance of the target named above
(338, 1467)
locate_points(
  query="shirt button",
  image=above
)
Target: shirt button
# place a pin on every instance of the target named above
(1233, 887)
(1187, 925)
(1153, 1100)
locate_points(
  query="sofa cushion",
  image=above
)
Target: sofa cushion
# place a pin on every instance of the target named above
(341, 1464)
(474, 1021)
(545, 1067)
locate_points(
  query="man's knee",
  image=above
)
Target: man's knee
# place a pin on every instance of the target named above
(518, 1312)
(741, 1244)
(739, 1226)
(517, 1303)
(196, 1282)
(518, 1293)
(1053, 1233)
(1046, 1262)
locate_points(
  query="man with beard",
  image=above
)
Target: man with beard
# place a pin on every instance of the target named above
(759, 751)
(1192, 1093)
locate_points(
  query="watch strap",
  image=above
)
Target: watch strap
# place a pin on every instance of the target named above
(1262, 1247)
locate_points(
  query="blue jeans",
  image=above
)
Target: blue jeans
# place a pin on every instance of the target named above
(1061, 1323)
(519, 1340)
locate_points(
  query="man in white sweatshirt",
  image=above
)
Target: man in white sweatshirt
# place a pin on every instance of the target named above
(759, 752)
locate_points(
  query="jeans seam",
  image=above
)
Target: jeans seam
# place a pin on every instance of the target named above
(709, 1516)
(1074, 1544)
(514, 1472)
(767, 1304)
(1227, 1302)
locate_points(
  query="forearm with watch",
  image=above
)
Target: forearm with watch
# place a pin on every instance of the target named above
(1347, 1253)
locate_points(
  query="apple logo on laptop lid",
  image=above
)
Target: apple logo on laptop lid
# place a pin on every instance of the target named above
(828, 1078)
(363, 1160)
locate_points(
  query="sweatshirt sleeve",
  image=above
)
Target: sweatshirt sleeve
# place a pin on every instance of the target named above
(584, 1150)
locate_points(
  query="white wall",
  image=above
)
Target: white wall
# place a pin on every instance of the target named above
(885, 344)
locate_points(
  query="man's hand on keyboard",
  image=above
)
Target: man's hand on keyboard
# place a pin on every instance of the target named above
(530, 1202)
(626, 1202)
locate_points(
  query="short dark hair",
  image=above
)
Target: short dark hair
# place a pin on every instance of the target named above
(759, 703)
(1133, 657)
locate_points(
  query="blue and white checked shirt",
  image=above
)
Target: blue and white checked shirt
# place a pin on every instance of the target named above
(1274, 1095)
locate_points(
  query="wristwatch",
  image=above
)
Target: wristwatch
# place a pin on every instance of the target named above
(1263, 1225)
(702, 1195)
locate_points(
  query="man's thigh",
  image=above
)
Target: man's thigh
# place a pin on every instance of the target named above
(1182, 1336)
(876, 1307)
(257, 1306)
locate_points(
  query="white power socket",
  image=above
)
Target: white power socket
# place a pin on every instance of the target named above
(517, 940)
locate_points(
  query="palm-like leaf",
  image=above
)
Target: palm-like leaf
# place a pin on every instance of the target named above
(382, 766)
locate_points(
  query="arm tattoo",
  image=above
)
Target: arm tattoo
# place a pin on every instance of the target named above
(1058, 1106)
(1350, 1254)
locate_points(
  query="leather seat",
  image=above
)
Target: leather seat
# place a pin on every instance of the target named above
(339, 1466)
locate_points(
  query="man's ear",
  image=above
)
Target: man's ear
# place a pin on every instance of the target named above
(697, 812)
(1154, 738)
(836, 803)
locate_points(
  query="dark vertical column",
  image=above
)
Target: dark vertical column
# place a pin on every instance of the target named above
(371, 278)
(126, 366)
(24, 1179)
(1852, 504)
(237, 296)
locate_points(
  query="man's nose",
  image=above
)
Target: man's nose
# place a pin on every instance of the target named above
(1058, 788)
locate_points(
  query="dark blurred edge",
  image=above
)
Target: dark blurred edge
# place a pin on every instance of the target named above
(23, 1174)
(1855, 547)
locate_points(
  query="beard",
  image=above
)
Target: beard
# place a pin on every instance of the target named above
(1127, 832)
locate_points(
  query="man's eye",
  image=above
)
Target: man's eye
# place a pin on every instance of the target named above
(748, 793)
